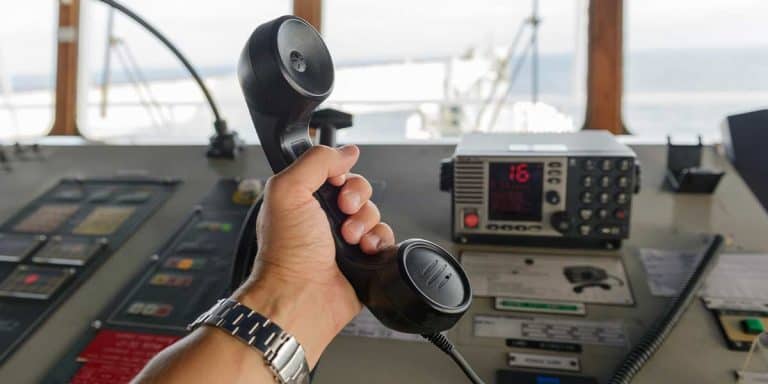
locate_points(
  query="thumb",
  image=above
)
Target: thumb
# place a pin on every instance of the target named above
(315, 166)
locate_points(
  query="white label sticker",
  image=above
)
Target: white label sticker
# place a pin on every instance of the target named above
(609, 333)
(530, 360)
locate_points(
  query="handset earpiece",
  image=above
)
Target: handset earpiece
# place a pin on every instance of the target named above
(285, 72)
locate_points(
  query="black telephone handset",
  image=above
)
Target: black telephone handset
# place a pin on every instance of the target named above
(286, 71)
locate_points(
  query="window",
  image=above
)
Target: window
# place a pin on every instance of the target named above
(408, 70)
(149, 95)
(425, 69)
(27, 69)
(690, 63)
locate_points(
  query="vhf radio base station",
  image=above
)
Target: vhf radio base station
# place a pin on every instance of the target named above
(565, 189)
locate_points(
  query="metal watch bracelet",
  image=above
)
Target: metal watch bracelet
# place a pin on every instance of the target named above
(282, 353)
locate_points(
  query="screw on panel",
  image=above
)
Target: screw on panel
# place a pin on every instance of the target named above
(96, 324)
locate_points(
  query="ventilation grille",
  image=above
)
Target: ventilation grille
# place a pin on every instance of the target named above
(468, 182)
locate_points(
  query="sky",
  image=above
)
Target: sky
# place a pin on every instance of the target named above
(365, 30)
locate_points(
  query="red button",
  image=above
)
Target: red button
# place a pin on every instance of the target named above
(31, 279)
(471, 220)
(620, 214)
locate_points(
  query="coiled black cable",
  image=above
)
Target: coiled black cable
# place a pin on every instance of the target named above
(445, 345)
(661, 328)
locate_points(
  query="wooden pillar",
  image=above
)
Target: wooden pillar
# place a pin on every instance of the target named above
(65, 118)
(311, 11)
(604, 66)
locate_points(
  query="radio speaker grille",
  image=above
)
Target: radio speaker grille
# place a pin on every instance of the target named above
(469, 180)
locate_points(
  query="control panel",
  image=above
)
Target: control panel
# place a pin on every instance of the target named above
(573, 188)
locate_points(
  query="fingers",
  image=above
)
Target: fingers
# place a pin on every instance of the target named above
(354, 194)
(378, 237)
(315, 166)
(360, 223)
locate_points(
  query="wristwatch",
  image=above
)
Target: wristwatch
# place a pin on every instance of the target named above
(282, 353)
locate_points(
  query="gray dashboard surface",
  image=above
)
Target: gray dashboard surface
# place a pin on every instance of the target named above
(406, 180)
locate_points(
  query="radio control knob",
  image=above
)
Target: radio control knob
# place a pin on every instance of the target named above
(552, 197)
(561, 221)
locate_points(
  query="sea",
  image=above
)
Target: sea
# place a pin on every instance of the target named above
(680, 92)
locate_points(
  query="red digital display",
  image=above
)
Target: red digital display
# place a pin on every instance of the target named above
(515, 191)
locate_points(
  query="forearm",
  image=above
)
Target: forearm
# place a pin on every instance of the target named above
(211, 355)
(207, 355)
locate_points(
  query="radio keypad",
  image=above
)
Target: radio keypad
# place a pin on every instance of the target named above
(603, 196)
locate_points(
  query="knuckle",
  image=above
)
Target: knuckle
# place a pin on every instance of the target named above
(373, 210)
(321, 151)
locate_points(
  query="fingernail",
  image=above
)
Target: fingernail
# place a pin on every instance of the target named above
(356, 228)
(348, 150)
(352, 198)
(374, 240)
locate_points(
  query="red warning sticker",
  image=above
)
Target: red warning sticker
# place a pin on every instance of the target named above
(116, 357)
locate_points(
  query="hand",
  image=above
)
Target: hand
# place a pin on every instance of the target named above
(295, 281)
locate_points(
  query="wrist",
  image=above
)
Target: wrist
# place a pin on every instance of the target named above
(297, 308)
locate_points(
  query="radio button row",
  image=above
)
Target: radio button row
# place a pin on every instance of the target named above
(587, 181)
(515, 228)
(552, 197)
(586, 197)
(585, 214)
